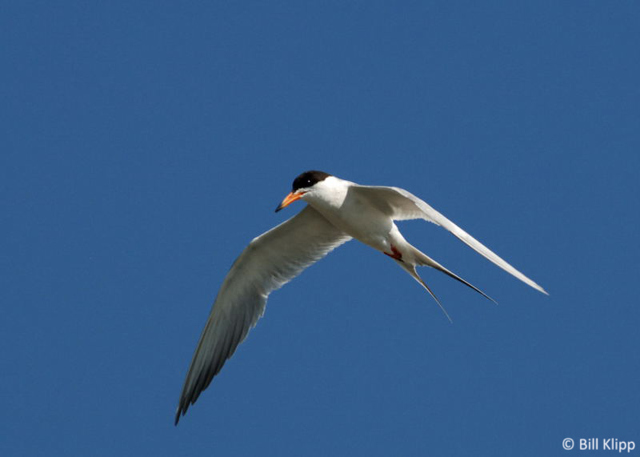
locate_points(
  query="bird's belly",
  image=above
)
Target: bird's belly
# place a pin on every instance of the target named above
(369, 227)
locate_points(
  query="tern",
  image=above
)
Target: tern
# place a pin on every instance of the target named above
(337, 211)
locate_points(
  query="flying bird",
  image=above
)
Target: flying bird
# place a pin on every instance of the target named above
(337, 211)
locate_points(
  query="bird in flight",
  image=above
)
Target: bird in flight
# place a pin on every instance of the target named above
(337, 211)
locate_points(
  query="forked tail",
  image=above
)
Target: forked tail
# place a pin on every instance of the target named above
(414, 274)
(421, 259)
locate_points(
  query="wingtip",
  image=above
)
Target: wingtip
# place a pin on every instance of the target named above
(539, 288)
(179, 413)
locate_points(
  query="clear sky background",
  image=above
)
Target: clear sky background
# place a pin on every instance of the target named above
(144, 144)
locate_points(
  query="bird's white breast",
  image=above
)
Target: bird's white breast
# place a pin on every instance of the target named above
(350, 213)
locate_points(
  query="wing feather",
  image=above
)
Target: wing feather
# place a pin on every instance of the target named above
(400, 204)
(270, 261)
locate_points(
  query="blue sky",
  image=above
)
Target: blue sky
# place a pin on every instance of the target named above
(144, 144)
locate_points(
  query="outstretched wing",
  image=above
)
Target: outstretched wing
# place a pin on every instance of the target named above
(402, 205)
(270, 261)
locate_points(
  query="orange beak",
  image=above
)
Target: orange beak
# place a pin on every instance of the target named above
(292, 197)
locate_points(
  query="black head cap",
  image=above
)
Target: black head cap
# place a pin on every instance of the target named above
(308, 179)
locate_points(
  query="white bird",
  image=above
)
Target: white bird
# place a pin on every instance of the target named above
(337, 211)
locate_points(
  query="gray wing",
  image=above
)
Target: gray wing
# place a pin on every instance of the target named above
(269, 262)
(402, 205)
